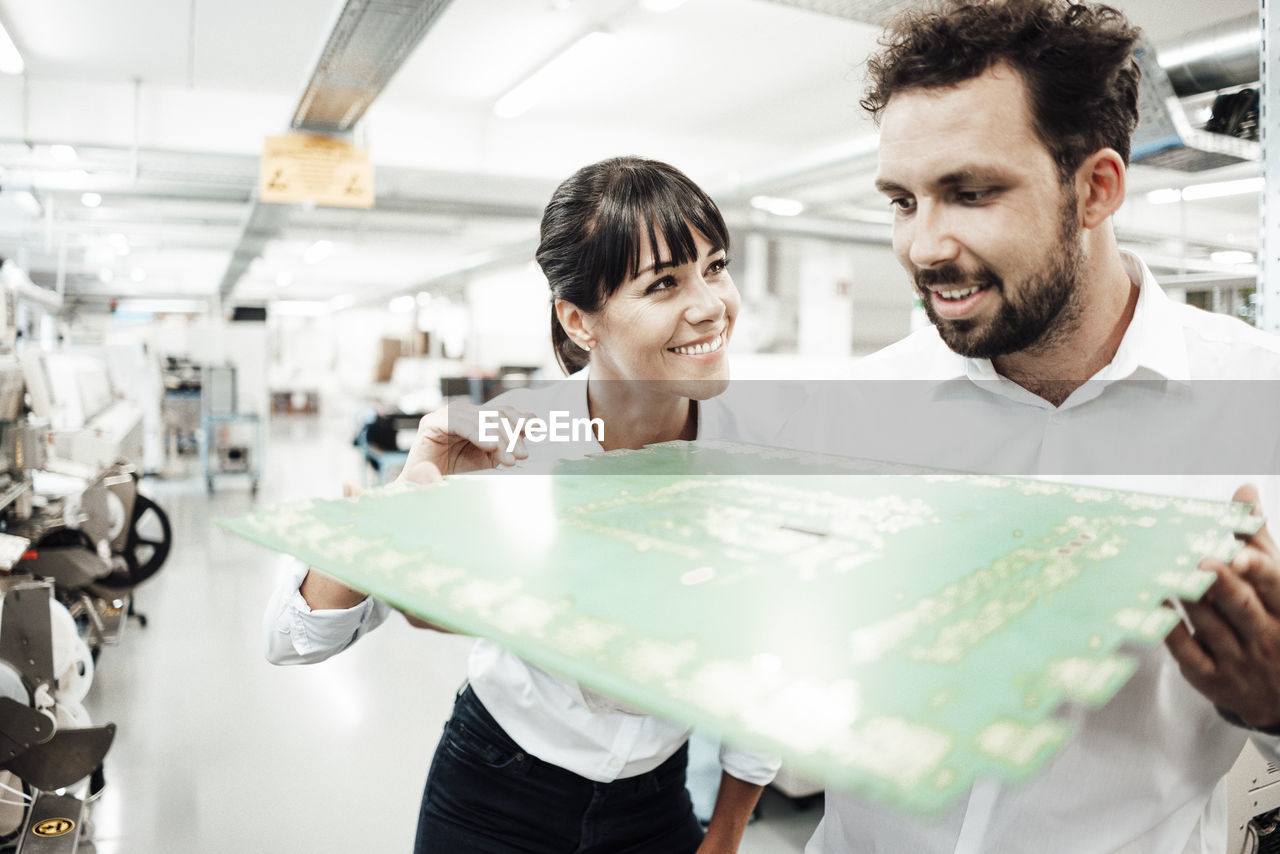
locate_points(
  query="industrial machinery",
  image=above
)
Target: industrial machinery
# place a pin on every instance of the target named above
(76, 537)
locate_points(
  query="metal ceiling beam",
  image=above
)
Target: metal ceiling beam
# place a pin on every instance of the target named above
(368, 45)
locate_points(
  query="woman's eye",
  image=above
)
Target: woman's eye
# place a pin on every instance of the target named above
(666, 283)
(718, 266)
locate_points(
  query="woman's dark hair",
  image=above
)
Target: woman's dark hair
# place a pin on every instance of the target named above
(596, 225)
(1076, 60)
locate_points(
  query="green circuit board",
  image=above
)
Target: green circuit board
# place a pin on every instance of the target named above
(898, 634)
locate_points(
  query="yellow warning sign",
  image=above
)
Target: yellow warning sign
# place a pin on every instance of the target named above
(54, 827)
(306, 168)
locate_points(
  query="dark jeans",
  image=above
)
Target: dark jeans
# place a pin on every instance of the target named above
(485, 795)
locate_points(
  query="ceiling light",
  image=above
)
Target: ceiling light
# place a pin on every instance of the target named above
(1243, 187)
(10, 60)
(776, 206)
(1220, 46)
(163, 306)
(1231, 256)
(660, 6)
(26, 202)
(91, 200)
(318, 251)
(300, 308)
(555, 74)
(63, 153)
(1165, 196)
(1214, 190)
(138, 274)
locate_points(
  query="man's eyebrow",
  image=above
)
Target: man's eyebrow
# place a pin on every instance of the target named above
(971, 174)
(965, 175)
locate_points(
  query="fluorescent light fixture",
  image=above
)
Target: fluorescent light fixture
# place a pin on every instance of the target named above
(300, 308)
(1243, 187)
(318, 251)
(10, 60)
(90, 200)
(777, 206)
(1166, 196)
(1215, 190)
(554, 75)
(27, 202)
(163, 306)
(1231, 256)
(1239, 40)
(402, 304)
(660, 6)
(63, 154)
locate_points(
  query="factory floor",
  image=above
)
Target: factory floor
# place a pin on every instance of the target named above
(217, 750)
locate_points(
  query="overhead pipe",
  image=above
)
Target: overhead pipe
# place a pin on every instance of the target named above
(1218, 57)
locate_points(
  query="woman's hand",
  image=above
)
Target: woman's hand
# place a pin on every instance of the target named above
(450, 440)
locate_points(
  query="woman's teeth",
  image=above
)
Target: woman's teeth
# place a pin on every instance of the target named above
(700, 349)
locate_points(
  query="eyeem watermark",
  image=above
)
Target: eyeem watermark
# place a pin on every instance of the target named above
(558, 427)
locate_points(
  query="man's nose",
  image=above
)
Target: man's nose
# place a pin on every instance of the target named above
(932, 241)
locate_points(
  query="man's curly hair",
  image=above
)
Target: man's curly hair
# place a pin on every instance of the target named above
(1075, 58)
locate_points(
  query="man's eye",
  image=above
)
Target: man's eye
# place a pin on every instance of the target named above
(970, 197)
(902, 204)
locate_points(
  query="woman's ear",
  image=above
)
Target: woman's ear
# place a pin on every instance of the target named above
(577, 324)
(1100, 186)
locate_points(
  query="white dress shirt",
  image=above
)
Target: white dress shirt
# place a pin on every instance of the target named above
(1138, 774)
(551, 717)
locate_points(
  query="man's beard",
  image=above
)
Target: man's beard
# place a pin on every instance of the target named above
(1041, 312)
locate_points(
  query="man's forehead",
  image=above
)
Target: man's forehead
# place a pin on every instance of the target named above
(975, 126)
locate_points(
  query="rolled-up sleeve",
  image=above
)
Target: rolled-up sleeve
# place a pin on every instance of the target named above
(295, 634)
(749, 767)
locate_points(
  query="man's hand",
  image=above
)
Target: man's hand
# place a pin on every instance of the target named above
(449, 442)
(1234, 656)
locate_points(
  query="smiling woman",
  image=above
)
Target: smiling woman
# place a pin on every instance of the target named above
(643, 309)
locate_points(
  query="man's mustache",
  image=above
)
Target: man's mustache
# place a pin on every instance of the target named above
(952, 274)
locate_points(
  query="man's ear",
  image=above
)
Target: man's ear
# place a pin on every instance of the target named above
(1100, 186)
(577, 323)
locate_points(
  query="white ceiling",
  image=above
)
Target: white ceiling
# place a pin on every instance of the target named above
(167, 103)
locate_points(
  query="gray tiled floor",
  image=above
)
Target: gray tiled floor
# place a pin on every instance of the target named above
(219, 751)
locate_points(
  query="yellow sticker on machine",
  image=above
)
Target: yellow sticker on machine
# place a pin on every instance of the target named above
(54, 827)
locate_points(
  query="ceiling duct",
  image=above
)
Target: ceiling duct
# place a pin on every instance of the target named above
(876, 12)
(1165, 137)
(1219, 57)
(369, 43)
